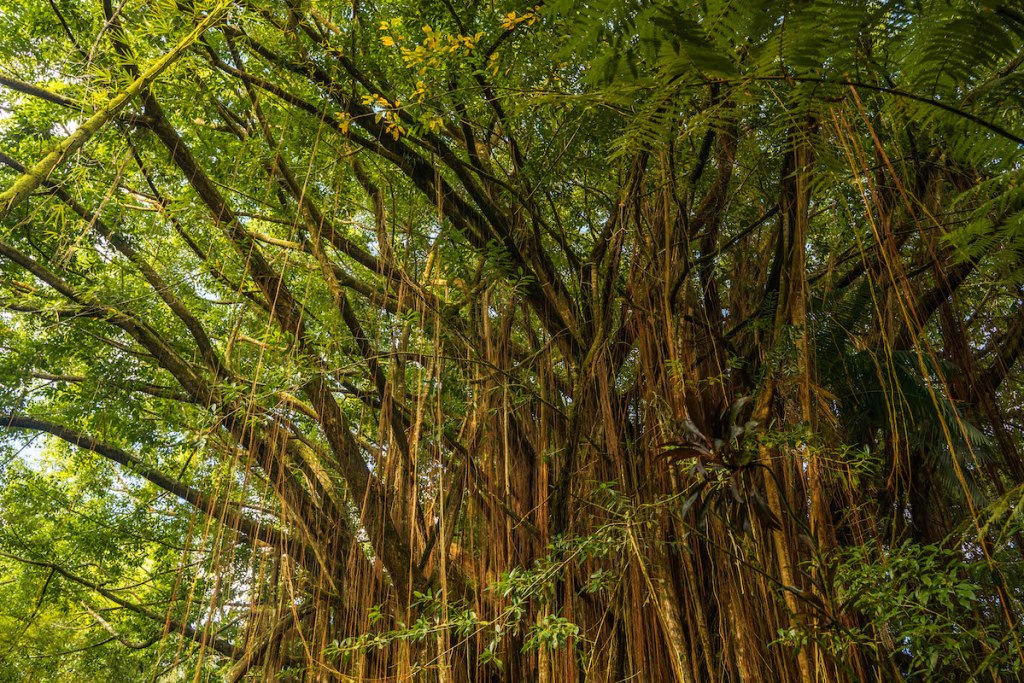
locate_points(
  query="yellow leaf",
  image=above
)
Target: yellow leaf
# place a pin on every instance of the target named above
(344, 119)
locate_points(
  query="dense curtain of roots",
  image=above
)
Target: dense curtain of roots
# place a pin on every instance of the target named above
(439, 440)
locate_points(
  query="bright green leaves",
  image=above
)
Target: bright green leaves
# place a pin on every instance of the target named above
(926, 595)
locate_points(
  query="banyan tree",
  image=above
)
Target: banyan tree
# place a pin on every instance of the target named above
(597, 340)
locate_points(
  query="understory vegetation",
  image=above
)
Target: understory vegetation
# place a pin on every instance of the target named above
(588, 340)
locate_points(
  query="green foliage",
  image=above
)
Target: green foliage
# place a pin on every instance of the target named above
(926, 597)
